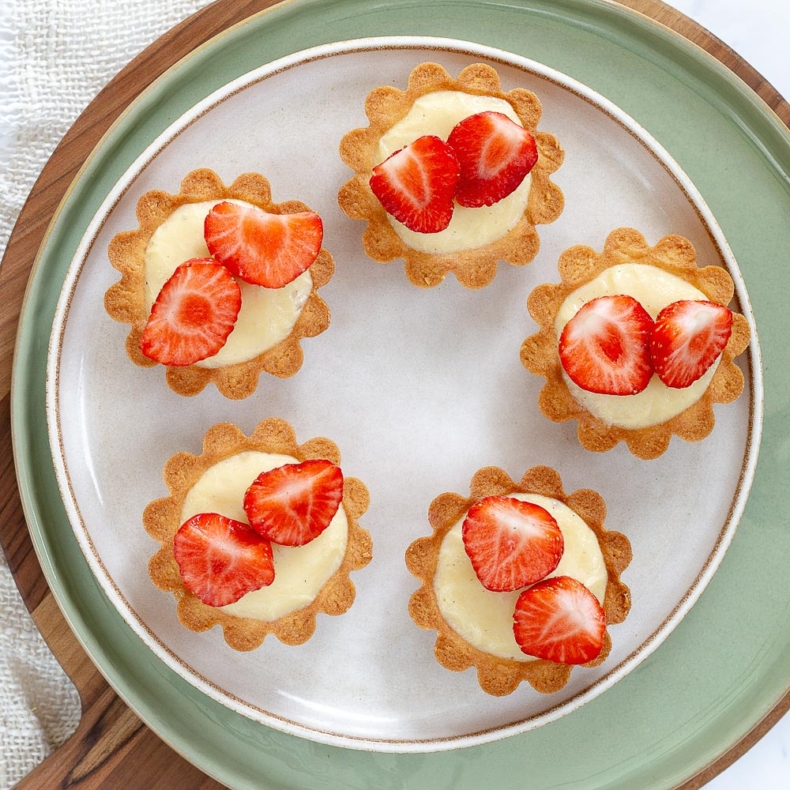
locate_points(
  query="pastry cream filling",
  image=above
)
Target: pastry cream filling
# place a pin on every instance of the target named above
(299, 571)
(437, 113)
(654, 289)
(267, 315)
(484, 618)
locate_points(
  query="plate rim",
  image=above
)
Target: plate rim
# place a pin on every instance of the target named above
(355, 47)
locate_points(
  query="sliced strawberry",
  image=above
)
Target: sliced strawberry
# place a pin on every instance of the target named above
(262, 248)
(560, 620)
(417, 183)
(193, 314)
(511, 543)
(221, 559)
(687, 339)
(495, 155)
(605, 347)
(293, 504)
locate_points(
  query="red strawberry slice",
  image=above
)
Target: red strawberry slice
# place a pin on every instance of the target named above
(193, 314)
(511, 543)
(221, 559)
(687, 339)
(293, 504)
(417, 183)
(495, 155)
(560, 620)
(605, 347)
(262, 248)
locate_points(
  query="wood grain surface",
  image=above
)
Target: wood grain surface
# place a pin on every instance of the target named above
(112, 747)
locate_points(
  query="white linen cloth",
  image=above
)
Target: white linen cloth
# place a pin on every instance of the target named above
(55, 56)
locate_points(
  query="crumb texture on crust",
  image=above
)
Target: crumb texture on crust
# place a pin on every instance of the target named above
(125, 300)
(501, 676)
(475, 268)
(161, 519)
(580, 264)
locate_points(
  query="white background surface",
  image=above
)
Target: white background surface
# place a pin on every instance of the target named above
(759, 30)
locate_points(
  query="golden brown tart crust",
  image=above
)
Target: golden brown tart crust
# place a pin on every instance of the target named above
(501, 676)
(162, 518)
(125, 300)
(577, 266)
(474, 268)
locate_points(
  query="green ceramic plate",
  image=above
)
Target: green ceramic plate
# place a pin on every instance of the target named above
(728, 662)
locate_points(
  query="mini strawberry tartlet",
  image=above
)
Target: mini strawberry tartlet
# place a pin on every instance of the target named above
(636, 343)
(259, 534)
(219, 283)
(520, 580)
(451, 175)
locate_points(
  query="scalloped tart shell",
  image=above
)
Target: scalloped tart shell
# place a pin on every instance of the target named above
(580, 264)
(474, 268)
(501, 676)
(125, 300)
(162, 518)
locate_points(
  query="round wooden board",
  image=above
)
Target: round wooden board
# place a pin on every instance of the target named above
(112, 747)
